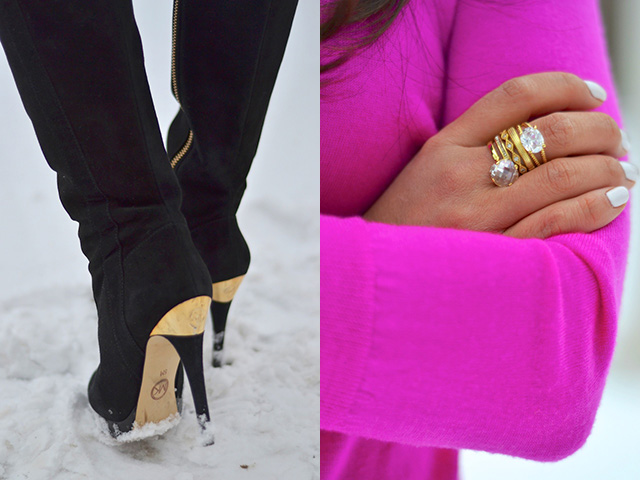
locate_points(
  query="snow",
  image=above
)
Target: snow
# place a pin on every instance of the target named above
(265, 401)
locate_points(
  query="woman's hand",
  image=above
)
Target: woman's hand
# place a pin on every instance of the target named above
(447, 184)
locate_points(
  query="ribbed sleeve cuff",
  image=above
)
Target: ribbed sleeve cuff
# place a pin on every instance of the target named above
(346, 302)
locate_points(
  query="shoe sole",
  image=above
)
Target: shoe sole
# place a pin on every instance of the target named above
(157, 400)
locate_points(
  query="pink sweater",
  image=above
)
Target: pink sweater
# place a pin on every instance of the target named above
(435, 340)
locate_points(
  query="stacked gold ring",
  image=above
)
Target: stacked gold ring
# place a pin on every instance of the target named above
(514, 152)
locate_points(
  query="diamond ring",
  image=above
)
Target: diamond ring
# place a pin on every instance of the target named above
(532, 140)
(514, 152)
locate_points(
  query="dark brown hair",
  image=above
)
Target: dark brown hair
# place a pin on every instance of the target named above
(376, 15)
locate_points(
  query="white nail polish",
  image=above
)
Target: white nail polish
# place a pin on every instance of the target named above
(630, 171)
(625, 141)
(596, 90)
(618, 196)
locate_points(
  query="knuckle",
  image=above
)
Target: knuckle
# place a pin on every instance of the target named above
(551, 223)
(461, 218)
(437, 146)
(610, 126)
(613, 171)
(561, 176)
(560, 130)
(434, 143)
(518, 89)
(589, 210)
(568, 79)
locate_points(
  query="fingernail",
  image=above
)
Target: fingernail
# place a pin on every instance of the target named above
(596, 90)
(618, 196)
(625, 141)
(630, 171)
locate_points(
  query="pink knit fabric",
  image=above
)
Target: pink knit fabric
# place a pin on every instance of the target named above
(435, 340)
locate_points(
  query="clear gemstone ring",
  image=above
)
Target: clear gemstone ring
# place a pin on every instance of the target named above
(532, 140)
(504, 173)
(513, 151)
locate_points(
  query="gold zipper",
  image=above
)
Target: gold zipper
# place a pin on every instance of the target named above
(174, 84)
(174, 41)
(183, 151)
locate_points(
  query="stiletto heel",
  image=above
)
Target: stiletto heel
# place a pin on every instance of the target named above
(190, 351)
(176, 338)
(219, 313)
(223, 293)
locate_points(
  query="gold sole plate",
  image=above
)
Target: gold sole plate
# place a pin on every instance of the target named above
(157, 400)
(223, 292)
(187, 318)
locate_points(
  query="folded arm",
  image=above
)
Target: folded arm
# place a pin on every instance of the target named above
(460, 339)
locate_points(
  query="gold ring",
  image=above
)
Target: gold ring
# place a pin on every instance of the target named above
(513, 151)
(532, 140)
(504, 172)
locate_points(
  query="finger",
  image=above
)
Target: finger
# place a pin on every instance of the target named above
(580, 133)
(561, 179)
(586, 213)
(519, 100)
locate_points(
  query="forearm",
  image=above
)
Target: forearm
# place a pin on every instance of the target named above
(464, 339)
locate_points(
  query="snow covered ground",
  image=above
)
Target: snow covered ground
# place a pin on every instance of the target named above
(265, 404)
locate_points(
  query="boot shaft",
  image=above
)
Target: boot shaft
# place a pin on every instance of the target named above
(80, 72)
(226, 57)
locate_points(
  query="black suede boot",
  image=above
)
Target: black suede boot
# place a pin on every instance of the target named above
(226, 57)
(79, 69)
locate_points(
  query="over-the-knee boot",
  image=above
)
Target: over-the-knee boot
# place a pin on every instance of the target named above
(79, 69)
(226, 57)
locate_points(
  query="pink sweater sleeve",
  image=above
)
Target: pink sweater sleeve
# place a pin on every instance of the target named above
(459, 339)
